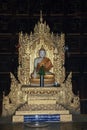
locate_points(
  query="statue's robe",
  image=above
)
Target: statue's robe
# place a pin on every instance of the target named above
(46, 63)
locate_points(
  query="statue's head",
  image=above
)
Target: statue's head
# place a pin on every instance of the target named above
(42, 52)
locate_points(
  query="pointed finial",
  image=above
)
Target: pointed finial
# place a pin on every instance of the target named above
(41, 19)
(42, 48)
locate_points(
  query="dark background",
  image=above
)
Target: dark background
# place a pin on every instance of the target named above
(68, 16)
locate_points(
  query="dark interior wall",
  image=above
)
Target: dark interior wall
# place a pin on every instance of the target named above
(68, 16)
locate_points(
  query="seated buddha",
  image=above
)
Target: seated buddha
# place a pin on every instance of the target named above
(42, 62)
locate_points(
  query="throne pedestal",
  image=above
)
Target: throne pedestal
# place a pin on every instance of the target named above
(49, 80)
(42, 106)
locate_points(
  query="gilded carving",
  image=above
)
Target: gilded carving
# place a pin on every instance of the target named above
(21, 91)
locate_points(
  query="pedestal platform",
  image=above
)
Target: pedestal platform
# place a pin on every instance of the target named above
(42, 105)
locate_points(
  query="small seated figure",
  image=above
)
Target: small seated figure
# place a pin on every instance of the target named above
(42, 62)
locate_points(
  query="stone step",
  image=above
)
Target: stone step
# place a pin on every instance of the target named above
(41, 107)
(31, 102)
(32, 112)
(63, 118)
(42, 96)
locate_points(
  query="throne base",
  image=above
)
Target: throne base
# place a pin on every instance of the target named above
(42, 106)
(47, 82)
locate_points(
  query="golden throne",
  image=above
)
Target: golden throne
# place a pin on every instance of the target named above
(25, 99)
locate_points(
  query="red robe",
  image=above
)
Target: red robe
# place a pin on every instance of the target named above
(46, 63)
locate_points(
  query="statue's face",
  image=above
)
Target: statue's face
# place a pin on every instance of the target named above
(42, 53)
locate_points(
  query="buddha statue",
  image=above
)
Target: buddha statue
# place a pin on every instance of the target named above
(42, 64)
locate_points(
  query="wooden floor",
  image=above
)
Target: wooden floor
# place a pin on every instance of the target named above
(78, 123)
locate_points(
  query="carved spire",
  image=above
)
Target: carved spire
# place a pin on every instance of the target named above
(41, 18)
(42, 48)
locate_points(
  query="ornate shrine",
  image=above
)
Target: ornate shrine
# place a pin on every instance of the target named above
(25, 99)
